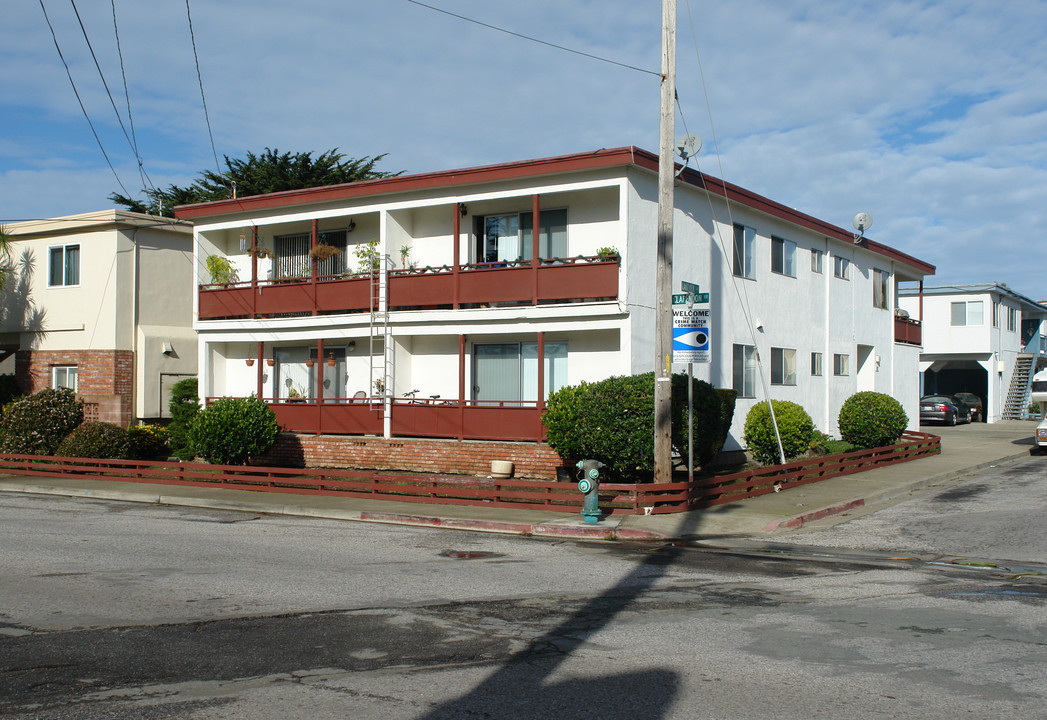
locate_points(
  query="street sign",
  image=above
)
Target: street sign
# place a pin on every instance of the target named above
(681, 299)
(689, 287)
(701, 297)
(691, 335)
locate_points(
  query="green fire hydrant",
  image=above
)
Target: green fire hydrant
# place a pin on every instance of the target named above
(589, 484)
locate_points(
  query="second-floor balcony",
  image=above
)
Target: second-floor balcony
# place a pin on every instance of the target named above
(553, 280)
(907, 330)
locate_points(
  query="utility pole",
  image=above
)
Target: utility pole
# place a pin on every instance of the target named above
(663, 470)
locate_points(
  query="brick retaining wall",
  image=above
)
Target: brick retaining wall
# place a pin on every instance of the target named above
(444, 457)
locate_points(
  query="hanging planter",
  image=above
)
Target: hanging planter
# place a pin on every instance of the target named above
(250, 362)
(330, 361)
(270, 362)
(323, 251)
(309, 362)
(261, 252)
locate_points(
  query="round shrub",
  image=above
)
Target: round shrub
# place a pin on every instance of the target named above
(229, 431)
(34, 425)
(94, 439)
(794, 425)
(871, 419)
(613, 421)
(147, 442)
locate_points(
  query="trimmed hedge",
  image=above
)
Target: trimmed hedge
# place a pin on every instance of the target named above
(36, 424)
(871, 419)
(794, 426)
(229, 431)
(612, 421)
(183, 406)
(147, 442)
(95, 439)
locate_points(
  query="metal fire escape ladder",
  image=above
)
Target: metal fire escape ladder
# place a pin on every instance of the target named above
(379, 353)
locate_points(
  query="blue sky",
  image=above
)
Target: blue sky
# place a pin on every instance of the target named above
(930, 116)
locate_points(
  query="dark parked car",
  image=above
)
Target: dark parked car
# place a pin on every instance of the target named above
(974, 402)
(944, 409)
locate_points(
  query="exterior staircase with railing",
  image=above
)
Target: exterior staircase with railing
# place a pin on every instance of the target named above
(1017, 402)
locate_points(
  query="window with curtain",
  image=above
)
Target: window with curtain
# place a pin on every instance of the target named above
(783, 256)
(292, 254)
(64, 376)
(744, 243)
(880, 289)
(508, 372)
(745, 370)
(508, 237)
(783, 366)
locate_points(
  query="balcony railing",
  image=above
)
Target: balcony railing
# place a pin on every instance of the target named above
(907, 330)
(488, 284)
(472, 420)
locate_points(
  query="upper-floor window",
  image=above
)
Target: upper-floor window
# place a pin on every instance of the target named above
(880, 289)
(744, 244)
(508, 237)
(816, 261)
(294, 261)
(995, 314)
(816, 364)
(745, 370)
(1012, 319)
(969, 312)
(783, 366)
(841, 267)
(783, 256)
(64, 376)
(63, 265)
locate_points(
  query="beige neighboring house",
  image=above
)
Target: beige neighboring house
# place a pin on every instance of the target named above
(97, 303)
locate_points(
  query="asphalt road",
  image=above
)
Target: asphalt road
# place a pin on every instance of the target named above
(114, 610)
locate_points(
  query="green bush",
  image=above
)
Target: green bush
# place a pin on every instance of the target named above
(147, 442)
(871, 419)
(94, 439)
(794, 426)
(183, 406)
(229, 431)
(34, 425)
(613, 421)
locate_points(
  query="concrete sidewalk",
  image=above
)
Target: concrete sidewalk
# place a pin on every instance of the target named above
(965, 450)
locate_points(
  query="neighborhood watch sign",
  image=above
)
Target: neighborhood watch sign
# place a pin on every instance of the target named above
(691, 334)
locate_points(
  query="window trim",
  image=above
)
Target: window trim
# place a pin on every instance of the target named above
(816, 364)
(55, 369)
(816, 260)
(881, 285)
(967, 318)
(745, 370)
(788, 256)
(780, 356)
(841, 267)
(744, 247)
(65, 265)
(841, 365)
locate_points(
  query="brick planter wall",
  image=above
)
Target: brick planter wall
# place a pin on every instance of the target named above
(105, 379)
(444, 457)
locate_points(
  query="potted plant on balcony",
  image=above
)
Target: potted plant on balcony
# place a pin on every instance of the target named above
(261, 252)
(368, 258)
(608, 253)
(323, 251)
(221, 270)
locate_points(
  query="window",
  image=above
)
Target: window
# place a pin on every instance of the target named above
(995, 314)
(783, 366)
(508, 372)
(816, 261)
(783, 256)
(63, 265)
(1012, 319)
(292, 254)
(841, 267)
(880, 289)
(509, 236)
(745, 370)
(841, 364)
(816, 364)
(63, 376)
(744, 241)
(967, 313)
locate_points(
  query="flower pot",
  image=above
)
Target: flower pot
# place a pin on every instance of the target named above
(501, 469)
(270, 362)
(250, 362)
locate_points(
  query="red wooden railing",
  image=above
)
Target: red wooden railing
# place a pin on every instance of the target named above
(907, 330)
(615, 498)
(560, 280)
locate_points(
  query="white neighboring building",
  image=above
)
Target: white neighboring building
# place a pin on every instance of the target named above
(98, 303)
(459, 311)
(985, 339)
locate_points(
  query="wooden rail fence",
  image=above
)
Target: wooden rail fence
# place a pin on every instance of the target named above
(617, 498)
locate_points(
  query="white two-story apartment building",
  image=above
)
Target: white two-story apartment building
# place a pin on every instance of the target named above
(450, 304)
(984, 339)
(98, 303)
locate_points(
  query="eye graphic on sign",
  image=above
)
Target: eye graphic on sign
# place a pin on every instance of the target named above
(697, 338)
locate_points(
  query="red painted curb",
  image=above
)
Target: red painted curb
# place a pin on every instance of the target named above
(453, 523)
(803, 518)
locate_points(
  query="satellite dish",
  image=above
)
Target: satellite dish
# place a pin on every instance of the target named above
(862, 222)
(688, 145)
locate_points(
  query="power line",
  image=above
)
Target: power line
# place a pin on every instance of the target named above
(534, 40)
(200, 79)
(146, 180)
(79, 100)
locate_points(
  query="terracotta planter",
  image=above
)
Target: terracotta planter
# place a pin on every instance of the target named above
(250, 362)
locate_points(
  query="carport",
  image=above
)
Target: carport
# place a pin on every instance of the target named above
(951, 376)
